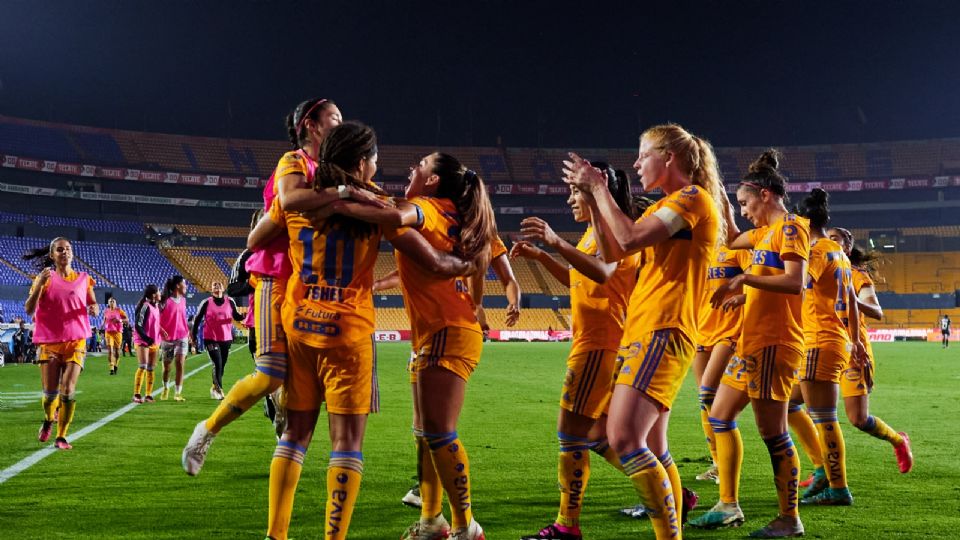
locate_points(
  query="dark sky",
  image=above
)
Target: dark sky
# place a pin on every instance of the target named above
(553, 74)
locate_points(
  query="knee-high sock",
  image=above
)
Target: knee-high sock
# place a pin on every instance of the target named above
(729, 458)
(879, 429)
(806, 433)
(284, 476)
(573, 473)
(138, 379)
(833, 445)
(786, 472)
(244, 394)
(453, 467)
(50, 402)
(602, 448)
(68, 405)
(707, 395)
(344, 474)
(150, 376)
(673, 473)
(653, 485)
(431, 490)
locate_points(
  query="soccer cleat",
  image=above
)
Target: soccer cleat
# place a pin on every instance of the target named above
(179, 398)
(137, 398)
(165, 393)
(818, 484)
(412, 498)
(44, 434)
(690, 500)
(553, 532)
(781, 527)
(148, 399)
(195, 452)
(830, 497)
(427, 529)
(709, 475)
(721, 515)
(636, 512)
(62, 444)
(904, 454)
(470, 532)
(213, 392)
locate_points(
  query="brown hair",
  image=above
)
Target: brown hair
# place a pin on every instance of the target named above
(309, 109)
(764, 173)
(468, 192)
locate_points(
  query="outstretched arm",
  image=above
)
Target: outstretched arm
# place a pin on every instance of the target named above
(412, 244)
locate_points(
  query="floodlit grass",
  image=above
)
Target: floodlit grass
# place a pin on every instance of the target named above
(124, 480)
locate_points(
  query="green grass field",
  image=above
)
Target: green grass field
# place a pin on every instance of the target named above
(124, 480)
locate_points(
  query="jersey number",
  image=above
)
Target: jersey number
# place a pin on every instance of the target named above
(334, 276)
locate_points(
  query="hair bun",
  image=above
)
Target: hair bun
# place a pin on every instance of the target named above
(770, 159)
(818, 196)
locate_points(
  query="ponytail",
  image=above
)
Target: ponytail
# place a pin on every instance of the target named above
(309, 109)
(706, 174)
(43, 257)
(168, 288)
(469, 194)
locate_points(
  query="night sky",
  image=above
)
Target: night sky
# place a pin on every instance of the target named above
(551, 74)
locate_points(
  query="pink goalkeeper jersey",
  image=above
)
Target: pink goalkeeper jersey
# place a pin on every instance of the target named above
(62, 310)
(218, 321)
(173, 318)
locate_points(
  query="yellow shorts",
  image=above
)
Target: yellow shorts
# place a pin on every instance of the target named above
(769, 373)
(857, 381)
(152, 348)
(729, 342)
(267, 300)
(656, 364)
(114, 339)
(825, 364)
(344, 377)
(588, 384)
(68, 352)
(453, 348)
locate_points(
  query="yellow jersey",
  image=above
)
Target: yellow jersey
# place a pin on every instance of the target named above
(772, 318)
(715, 324)
(434, 302)
(673, 274)
(826, 296)
(598, 310)
(497, 248)
(329, 297)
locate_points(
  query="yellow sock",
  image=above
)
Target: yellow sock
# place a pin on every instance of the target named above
(50, 402)
(786, 472)
(653, 485)
(68, 405)
(138, 380)
(602, 448)
(806, 433)
(573, 473)
(284, 476)
(245, 393)
(343, 485)
(150, 378)
(673, 473)
(431, 491)
(453, 467)
(879, 429)
(833, 445)
(729, 458)
(707, 395)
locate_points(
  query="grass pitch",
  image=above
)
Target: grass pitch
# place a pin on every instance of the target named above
(124, 480)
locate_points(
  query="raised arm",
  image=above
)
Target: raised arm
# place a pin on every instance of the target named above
(594, 268)
(527, 250)
(868, 302)
(297, 196)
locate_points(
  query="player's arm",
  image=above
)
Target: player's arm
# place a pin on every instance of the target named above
(141, 325)
(790, 282)
(858, 354)
(297, 196)
(868, 302)
(198, 318)
(30, 306)
(237, 316)
(93, 308)
(412, 244)
(388, 281)
(557, 269)
(402, 214)
(596, 269)
(503, 270)
(265, 231)
(743, 240)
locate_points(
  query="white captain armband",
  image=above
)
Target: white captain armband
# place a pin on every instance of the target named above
(673, 221)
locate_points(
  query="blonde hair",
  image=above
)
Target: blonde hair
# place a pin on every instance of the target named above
(696, 159)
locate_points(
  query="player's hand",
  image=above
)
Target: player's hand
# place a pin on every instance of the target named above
(579, 173)
(44, 276)
(93, 309)
(525, 249)
(482, 319)
(725, 289)
(368, 197)
(513, 315)
(538, 230)
(734, 302)
(166, 336)
(318, 215)
(858, 355)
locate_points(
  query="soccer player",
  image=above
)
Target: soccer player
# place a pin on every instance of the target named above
(831, 342)
(217, 313)
(677, 236)
(60, 302)
(175, 333)
(945, 330)
(857, 381)
(599, 291)
(113, 320)
(147, 340)
(769, 352)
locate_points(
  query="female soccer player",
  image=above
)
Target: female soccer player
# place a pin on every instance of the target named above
(217, 313)
(678, 236)
(113, 321)
(175, 333)
(146, 337)
(857, 381)
(60, 302)
(769, 352)
(599, 291)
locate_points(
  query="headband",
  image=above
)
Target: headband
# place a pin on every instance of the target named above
(307, 114)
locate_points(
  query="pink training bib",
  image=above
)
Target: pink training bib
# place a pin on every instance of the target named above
(152, 326)
(248, 320)
(62, 310)
(112, 322)
(173, 318)
(218, 321)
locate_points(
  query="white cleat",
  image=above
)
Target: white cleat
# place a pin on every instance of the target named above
(471, 532)
(195, 452)
(428, 529)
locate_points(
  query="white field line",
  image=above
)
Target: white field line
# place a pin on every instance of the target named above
(34, 458)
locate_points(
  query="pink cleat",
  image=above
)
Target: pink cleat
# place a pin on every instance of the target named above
(45, 430)
(137, 398)
(904, 454)
(62, 444)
